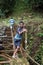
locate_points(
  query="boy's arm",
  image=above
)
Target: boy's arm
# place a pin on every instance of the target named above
(20, 32)
(24, 30)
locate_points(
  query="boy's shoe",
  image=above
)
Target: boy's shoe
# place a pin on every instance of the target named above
(13, 56)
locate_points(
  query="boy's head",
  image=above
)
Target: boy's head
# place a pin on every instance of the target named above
(21, 24)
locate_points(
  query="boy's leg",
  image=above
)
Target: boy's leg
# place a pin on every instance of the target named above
(16, 50)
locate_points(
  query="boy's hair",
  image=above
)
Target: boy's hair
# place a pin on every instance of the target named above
(21, 22)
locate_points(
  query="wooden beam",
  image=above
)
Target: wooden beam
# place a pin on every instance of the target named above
(25, 40)
(8, 56)
(12, 39)
(3, 36)
(6, 50)
(5, 56)
(2, 62)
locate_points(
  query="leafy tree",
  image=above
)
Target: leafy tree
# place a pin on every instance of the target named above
(7, 6)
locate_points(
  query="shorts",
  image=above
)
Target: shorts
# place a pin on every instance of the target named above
(17, 43)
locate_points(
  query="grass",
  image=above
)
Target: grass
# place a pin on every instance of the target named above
(27, 17)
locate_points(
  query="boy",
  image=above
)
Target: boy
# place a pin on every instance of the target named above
(17, 39)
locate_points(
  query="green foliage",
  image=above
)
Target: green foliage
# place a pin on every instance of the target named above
(40, 34)
(35, 3)
(6, 6)
(39, 55)
(2, 59)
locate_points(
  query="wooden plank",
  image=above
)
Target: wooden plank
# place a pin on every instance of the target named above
(6, 50)
(3, 36)
(25, 40)
(11, 62)
(3, 55)
(2, 62)
(12, 39)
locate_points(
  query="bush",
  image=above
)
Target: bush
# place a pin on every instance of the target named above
(40, 34)
(6, 6)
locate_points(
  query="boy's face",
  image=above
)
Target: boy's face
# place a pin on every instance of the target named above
(21, 24)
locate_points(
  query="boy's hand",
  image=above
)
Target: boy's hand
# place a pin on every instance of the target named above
(24, 30)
